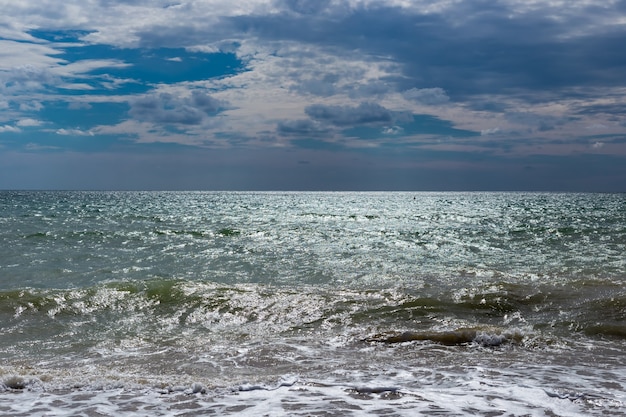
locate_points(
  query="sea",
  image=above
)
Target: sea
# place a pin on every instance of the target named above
(312, 304)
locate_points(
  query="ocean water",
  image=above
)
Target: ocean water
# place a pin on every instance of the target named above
(329, 304)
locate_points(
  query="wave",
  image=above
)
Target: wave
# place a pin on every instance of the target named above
(156, 309)
(168, 340)
(464, 336)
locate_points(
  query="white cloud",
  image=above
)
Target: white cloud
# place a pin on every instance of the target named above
(29, 123)
(74, 132)
(15, 55)
(393, 130)
(597, 126)
(30, 106)
(9, 129)
(76, 86)
(535, 120)
(88, 65)
(491, 131)
(35, 147)
(26, 78)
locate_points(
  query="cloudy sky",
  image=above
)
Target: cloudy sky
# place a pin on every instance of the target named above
(313, 94)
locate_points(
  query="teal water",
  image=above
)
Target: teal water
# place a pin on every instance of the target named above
(454, 303)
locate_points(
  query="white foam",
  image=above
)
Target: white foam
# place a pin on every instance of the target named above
(474, 390)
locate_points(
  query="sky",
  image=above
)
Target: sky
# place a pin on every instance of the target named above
(313, 95)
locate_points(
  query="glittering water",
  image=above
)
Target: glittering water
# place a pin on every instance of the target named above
(155, 303)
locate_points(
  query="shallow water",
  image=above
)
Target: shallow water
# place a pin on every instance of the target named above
(131, 303)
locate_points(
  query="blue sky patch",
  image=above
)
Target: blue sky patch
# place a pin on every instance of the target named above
(139, 68)
(84, 116)
(72, 36)
(156, 66)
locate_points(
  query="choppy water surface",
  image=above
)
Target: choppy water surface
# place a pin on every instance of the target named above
(312, 304)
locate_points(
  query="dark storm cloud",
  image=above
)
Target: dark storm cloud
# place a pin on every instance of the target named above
(480, 47)
(364, 113)
(300, 127)
(432, 96)
(321, 84)
(168, 109)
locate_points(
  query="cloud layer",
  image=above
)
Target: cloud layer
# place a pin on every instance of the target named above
(443, 81)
